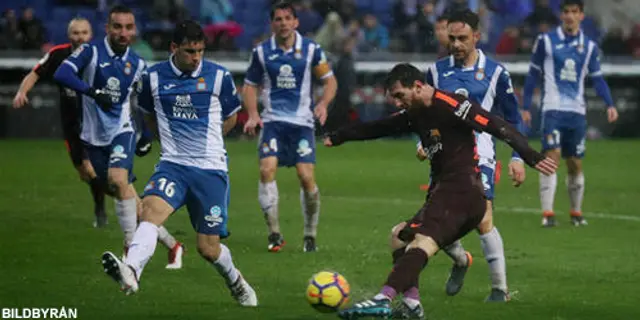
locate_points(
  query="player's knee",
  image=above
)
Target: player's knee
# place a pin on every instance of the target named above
(209, 248)
(395, 242)
(553, 154)
(267, 172)
(486, 224)
(574, 166)
(306, 177)
(424, 243)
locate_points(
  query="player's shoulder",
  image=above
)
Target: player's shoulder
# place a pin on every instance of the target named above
(442, 64)
(263, 45)
(61, 49)
(308, 41)
(492, 65)
(160, 67)
(209, 67)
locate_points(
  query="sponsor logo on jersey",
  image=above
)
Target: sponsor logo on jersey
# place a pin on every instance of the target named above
(113, 89)
(183, 108)
(286, 79)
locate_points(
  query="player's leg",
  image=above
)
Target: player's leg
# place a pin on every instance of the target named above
(119, 179)
(268, 150)
(493, 249)
(573, 148)
(143, 135)
(551, 135)
(207, 203)
(80, 159)
(443, 220)
(175, 248)
(304, 143)
(410, 308)
(164, 193)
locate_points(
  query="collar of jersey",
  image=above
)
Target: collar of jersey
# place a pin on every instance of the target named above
(297, 46)
(111, 53)
(178, 73)
(562, 36)
(480, 64)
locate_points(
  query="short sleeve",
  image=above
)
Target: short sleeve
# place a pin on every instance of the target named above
(255, 70)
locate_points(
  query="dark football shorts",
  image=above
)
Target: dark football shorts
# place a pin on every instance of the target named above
(447, 215)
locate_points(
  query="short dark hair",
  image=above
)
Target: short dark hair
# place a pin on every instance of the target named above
(442, 17)
(187, 31)
(119, 9)
(465, 16)
(283, 5)
(578, 3)
(405, 73)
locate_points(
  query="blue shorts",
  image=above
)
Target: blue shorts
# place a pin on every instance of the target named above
(291, 143)
(204, 192)
(119, 154)
(565, 131)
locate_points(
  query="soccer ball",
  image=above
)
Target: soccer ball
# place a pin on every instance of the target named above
(328, 291)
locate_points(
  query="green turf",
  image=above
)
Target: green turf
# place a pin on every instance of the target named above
(50, 253)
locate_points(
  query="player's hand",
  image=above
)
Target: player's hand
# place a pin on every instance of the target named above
(320, 111)
(20, 100)
(327, 142)
(547, 166)
(517, 172)
(612, 114)
(251, 124)
(420, 154)
(102, 99)
(526, 117)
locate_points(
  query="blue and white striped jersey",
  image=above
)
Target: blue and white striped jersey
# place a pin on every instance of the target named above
(487, 83)
(101, 68)
(286, 80)
(190, 111)
(565, 61)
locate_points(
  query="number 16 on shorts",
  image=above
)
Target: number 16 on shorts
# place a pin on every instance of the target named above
(167, 185)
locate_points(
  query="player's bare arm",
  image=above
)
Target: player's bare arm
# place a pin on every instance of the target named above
(481, 120)
(229, 123)
(330, 87)
(250, 100)
(395, 124)
(21, 99)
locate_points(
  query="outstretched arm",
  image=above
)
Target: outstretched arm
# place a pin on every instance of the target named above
(395, 124)
(480, 120)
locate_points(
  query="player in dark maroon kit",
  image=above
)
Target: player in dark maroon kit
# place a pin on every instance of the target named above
(456, 203)
(79, 31)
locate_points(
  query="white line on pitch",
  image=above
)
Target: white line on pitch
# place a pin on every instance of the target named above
(407, 202)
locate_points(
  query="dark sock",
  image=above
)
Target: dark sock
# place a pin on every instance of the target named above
(97, 191)
(406, 271)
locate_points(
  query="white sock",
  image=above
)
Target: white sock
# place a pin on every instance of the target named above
(142, 247)
(127, 212)
(457, 253)
(410, 302)
(310, 203)
(575, 186)
(225, 266)
(494, 253)
(548, 191)
(166, 238)
(268, 198)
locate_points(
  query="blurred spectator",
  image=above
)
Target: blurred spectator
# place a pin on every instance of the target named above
(32, 30)
(376, 36)
(634, 42)
(310, 20)
(10, 36)
(424, 39)
(614, 43)
(216, 11)
(143, 49)
(542, 13)
(448, 6)
(345, 8)
(331, 34)
(345, 73)
(509, 41)
(405, 12)
(442, 36)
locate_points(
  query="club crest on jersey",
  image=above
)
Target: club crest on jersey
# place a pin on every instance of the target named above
(127, 68)
(202, 85)
(480, 75)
